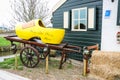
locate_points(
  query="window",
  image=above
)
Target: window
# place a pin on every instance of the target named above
(83, 19)
(79, 19)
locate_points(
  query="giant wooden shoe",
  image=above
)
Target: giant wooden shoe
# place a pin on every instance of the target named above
(36, 29)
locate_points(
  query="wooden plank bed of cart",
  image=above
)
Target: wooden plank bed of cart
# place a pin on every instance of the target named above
(36, 50)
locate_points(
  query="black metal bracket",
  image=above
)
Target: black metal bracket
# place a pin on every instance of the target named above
(13, 47)
(112, 0)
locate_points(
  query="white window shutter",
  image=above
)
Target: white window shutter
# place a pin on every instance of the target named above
(92, 18)
(66, 20)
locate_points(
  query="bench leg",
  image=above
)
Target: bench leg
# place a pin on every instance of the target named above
(63, 59)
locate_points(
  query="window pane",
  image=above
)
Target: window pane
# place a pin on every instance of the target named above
(75, 24)
(82, 13)
(79, 19)
(75, 14)
(82, 24)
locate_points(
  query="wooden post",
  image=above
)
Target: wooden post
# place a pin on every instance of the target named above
(85, 67)
(85, 60)
(46, 70)
(16, 62)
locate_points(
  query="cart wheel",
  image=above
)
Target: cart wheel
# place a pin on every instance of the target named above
(29, 56)
(39, 49)
(41, 53)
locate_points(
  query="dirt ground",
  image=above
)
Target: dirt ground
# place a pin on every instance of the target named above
(69, 72)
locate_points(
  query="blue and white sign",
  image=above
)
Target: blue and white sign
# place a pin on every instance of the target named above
(107, 13)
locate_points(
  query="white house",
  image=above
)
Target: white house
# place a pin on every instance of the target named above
(109, 26)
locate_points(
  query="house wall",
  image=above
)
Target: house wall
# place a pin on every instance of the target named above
(109, 27)
(79, 38)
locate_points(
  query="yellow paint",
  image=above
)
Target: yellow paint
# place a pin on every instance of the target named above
(36, 28)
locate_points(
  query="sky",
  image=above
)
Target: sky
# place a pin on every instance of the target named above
(5, 10)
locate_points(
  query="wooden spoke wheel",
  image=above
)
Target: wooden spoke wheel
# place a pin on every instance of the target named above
(39, 49)
(41, 53)
(29, 57)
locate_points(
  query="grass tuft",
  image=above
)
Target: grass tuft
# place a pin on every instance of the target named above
(10, 64)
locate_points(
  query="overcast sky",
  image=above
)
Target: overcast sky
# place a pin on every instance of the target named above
(5, 10)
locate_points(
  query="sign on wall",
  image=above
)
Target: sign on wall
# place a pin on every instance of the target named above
(107, 13)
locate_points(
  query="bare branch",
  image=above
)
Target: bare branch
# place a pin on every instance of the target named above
(26, 10)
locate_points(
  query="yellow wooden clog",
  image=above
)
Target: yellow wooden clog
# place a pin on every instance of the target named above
(36, 28)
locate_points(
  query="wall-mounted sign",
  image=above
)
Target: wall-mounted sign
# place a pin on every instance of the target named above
(118, 37)
(107, 13)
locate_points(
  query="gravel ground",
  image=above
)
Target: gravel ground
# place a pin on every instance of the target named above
(69, 72)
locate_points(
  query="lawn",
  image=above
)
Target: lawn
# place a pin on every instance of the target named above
(10, 64)
(4, 42)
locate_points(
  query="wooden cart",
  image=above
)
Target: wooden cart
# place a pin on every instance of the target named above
(34, 50)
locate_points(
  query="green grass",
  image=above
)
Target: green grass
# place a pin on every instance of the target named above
(4, 42)
(10, 64)
(53, 64)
